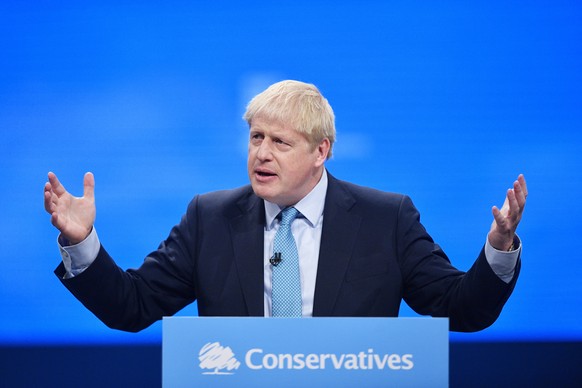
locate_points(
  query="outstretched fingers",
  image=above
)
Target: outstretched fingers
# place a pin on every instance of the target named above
(520, 189)
(518, 199)
(513, 212)
(499, 217)
(48, 198)
(509, 216)
(56, 185)
(89, 186)
(53, 189)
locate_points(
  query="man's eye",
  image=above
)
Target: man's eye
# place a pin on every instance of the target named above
(280, 141)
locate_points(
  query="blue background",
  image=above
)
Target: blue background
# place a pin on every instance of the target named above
(445, 102)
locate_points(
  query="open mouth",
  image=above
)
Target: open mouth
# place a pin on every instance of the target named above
(265, 174)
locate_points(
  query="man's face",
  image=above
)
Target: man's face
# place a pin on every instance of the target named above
(283, 168)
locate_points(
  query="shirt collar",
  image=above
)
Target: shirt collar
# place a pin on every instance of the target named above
(310, 207)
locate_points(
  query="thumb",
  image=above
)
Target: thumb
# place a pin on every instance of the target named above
(89, 186)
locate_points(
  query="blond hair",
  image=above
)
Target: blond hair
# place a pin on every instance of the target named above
(299, 104)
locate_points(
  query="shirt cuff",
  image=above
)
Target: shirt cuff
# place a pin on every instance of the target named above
(503, 262)
(78, 257)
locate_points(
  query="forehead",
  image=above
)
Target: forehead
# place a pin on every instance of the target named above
(259, 124)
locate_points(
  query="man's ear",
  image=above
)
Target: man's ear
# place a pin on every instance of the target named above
(322, 151)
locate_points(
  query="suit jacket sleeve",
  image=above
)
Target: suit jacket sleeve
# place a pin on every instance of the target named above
(214, 256)
(432, 286)
(132, 300)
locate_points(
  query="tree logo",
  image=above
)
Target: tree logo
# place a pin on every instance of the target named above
(216, 358)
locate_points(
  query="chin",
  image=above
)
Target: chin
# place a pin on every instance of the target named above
(262, 192)
(273, 198)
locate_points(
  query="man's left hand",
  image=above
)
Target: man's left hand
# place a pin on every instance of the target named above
(505, 221)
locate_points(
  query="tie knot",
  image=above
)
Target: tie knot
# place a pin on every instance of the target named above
(288, 215)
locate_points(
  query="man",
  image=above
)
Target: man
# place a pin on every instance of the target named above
(350, 250)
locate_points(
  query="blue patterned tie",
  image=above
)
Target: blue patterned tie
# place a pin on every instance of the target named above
(286, 292)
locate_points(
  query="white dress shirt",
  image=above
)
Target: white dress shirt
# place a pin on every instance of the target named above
(306, 229)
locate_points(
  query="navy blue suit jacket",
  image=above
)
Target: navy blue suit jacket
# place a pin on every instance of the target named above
(374, 253)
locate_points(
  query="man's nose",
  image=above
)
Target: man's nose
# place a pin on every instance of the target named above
(264, 151)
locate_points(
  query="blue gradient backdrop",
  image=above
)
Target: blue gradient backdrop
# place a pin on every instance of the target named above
(446, 102)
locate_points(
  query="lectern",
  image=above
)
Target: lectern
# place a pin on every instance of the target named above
(305, 352)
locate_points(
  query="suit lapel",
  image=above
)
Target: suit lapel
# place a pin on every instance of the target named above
(340, 227)
(247, 228)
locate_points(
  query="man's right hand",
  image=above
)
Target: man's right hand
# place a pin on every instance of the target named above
(72, 216)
